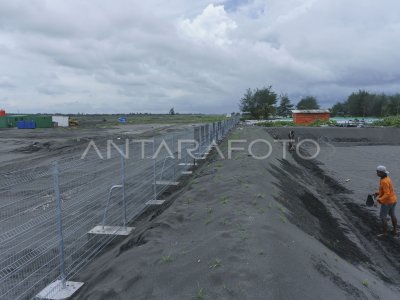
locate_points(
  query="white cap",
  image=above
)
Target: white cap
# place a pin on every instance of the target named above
(382, 169)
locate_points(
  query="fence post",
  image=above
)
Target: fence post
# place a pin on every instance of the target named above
(208, 136)
(123, 189)
(173, 154)
(200, 139)
(154, 170)
(59, 221)
(213, 134)
(224, 128)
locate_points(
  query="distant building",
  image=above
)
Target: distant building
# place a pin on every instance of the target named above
(308, 116)
(62, 121)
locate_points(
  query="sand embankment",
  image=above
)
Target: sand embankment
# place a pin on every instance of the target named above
(243, 228)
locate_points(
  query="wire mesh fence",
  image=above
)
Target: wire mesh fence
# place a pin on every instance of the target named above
(48, 213)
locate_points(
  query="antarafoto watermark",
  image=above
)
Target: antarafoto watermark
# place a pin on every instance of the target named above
(191, 148)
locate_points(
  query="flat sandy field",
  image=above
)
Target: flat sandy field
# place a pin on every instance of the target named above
(22, 149)
(283, 227)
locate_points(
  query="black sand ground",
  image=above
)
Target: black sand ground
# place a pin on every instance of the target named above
(255, 229)
(26, 189)
(23, 149)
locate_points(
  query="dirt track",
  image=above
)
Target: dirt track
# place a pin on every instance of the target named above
(271, 229)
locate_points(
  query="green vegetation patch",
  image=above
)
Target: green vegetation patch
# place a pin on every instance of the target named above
(112, 120)
(276, 124)
(318, 123)
(393, 121)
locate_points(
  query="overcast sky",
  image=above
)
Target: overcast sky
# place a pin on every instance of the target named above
(94, 56)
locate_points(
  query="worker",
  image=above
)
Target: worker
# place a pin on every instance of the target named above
(386, 196)
(291, 141)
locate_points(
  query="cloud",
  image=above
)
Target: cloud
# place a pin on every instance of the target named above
(211, 26)
(6, 82)
(195, 56)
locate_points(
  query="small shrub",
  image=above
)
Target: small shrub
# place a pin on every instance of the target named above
(167, 258)
(276, 124)
(261, 210)
(200, 294)
(283, 218)
(318, 123)
(243, 236)
(227, 289)
(392, 121)
(224, 200)
(215, 264)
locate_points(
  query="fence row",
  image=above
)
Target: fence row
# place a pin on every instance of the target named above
(55, 219)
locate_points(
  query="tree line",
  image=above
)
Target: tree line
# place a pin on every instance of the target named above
(365, 104)
(263, 103)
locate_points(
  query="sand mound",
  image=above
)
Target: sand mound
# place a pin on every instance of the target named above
(250, 229)
(343, 136)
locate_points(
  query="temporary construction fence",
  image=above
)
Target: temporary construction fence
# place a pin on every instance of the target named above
(55, 218)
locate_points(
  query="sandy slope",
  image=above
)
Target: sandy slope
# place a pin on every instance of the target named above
(245, 229)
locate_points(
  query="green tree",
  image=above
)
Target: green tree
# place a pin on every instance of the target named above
(259, 103)
(308, 102)
(365, 104)
(393, 105)
(377, 104)
(172, 111)
(285, 107)
(247, 103)
(358, 103)
(339, 109)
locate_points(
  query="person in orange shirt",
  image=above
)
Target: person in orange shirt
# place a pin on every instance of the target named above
(386, 196)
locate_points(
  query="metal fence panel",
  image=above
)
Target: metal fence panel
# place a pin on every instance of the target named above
(47, 212)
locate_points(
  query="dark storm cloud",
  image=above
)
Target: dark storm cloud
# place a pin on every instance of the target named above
(194, 56)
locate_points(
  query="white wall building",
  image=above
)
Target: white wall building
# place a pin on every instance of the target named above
(62, 121)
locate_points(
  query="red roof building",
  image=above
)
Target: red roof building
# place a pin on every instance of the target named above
(306, 117)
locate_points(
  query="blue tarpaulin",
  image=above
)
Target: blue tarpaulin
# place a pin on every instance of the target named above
(26, 124)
